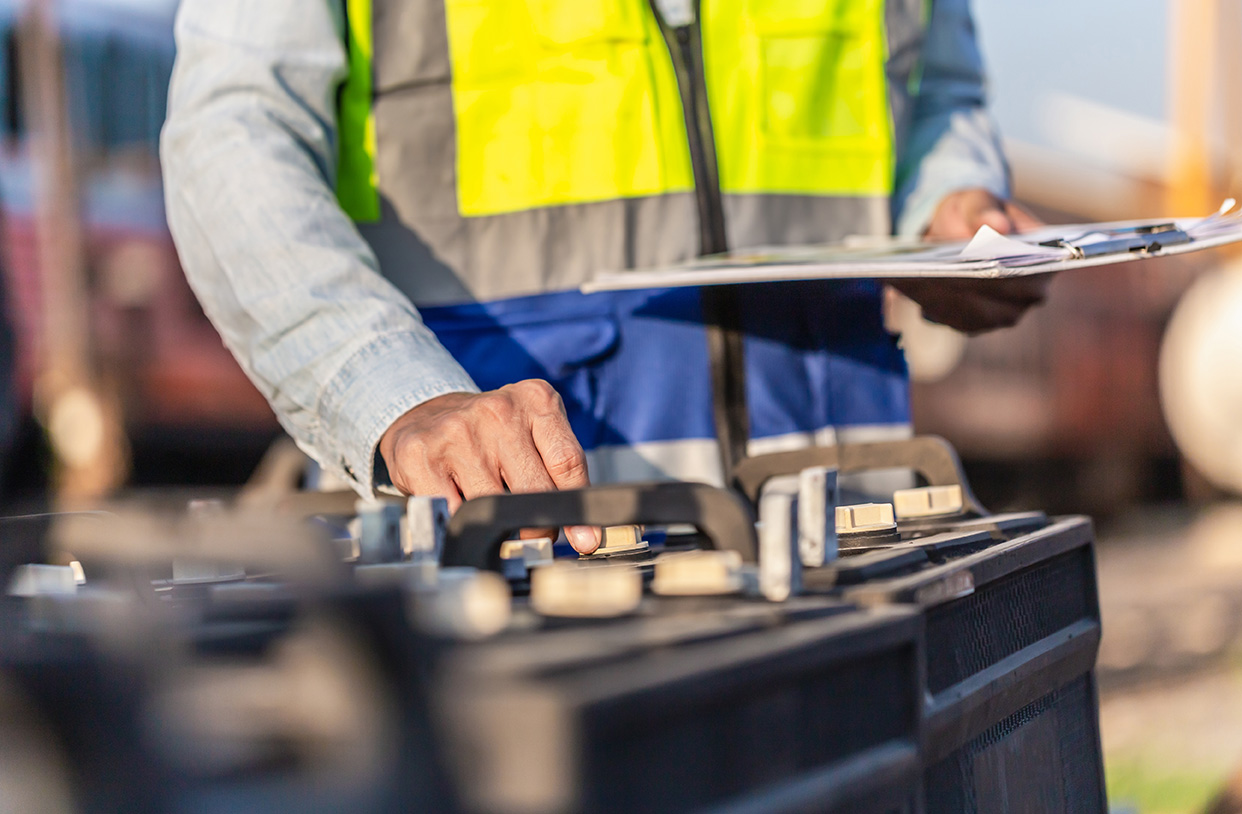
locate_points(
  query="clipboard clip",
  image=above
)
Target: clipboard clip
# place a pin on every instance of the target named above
(1148, 239)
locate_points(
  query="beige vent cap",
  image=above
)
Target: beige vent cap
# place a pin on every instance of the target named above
(929, 501)
(865, 517)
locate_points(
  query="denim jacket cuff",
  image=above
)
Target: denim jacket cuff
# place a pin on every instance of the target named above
(377, 385)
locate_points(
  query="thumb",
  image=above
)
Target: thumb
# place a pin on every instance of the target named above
(997, 219)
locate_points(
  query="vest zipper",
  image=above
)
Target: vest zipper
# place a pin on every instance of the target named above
(721, 304)
(686, 48)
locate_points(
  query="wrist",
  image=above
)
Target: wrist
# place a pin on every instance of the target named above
(414, 417)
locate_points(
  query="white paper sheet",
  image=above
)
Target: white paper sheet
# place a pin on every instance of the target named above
(990, 245)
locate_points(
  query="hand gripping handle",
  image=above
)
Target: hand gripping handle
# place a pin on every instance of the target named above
(482, 524)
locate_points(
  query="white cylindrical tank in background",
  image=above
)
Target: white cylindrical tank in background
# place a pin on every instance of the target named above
(1201, 376)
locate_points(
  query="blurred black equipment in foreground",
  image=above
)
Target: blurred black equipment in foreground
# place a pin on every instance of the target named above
(917, 655)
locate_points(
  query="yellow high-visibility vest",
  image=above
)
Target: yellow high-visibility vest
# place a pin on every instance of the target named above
(555, 104)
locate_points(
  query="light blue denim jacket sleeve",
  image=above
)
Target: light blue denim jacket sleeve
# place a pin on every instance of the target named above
(953, 143)
(249, 155)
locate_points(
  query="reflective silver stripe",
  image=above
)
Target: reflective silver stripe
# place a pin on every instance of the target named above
(438, 257)
(775, 220)
(698, 459)
(410, 44)
(446, 260)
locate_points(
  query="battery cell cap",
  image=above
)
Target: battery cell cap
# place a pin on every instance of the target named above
(698, 573)
(463, 603)
(929, 501)
(43, 580)
(620, 540)
(623, 538)
(865, 518)
(517, 557)
(530, 552)
(586, 591)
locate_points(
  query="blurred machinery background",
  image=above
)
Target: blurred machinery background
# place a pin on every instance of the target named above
(1121, 398)
(1132, 113)
(95, 292)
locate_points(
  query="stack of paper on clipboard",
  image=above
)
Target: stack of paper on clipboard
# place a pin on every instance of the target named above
(989, 255)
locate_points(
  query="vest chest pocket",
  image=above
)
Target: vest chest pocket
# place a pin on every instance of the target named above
(801, 96)
(815, 89)
(561, 102)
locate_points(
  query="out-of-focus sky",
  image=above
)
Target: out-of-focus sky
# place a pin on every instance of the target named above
(1110, 52)
(1086, 77)
(1039, 54)
(150, 19)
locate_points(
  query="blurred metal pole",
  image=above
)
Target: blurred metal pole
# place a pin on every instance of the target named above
(1193, 62)
(83, 418)
(1231, 91)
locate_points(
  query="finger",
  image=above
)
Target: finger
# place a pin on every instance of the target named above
(1040, 284)
(584, 539)
(950, 222)
(431, 484)
(994, 217)
(1027, 290)
(414, 472)
(475, 477)
(980, 207)
(523, 472)
(1022, 220)
(537, 534)
(521, 465)
(971, 313)
(564, 460)
(984, 314)
(562, 455)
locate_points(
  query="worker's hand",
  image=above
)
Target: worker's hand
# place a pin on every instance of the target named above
(961, 213)
(464, 445)
(973, 306)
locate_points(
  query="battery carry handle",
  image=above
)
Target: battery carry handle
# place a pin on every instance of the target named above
(930, 456)
(482, 524)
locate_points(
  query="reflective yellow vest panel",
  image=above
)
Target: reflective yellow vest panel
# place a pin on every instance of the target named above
(565, 101)
(497, 148)
(798, 95)
(562, 102)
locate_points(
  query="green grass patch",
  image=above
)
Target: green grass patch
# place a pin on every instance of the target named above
(1145, 788)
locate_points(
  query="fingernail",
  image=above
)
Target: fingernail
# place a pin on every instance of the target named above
(584, 539)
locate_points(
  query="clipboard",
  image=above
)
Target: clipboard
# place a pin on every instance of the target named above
(989, 255)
